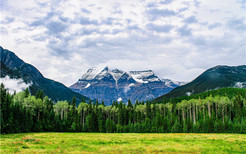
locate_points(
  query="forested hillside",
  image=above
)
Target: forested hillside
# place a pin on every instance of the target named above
(25, 113)
(214, 78)
(16, 68)
(228, 92)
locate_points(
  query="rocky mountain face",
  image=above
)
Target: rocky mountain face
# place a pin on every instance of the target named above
(113, 84)
(15, 68)
(213, 78)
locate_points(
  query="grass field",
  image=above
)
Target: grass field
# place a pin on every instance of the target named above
(122, 143)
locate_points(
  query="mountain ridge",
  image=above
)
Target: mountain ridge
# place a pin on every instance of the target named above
(108, 84)
(14, 67)
(220, 76)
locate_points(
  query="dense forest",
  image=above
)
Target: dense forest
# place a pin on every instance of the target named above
(213, 113)
(228, 92)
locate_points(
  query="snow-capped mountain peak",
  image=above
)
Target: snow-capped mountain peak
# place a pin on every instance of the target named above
(92, 73)
(144, 76)
(102, 74)
(114, 84)
(97, 73)
(116, 73)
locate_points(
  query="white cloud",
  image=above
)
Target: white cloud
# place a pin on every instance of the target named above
(176, 39)
(126, 89)
(14, 85)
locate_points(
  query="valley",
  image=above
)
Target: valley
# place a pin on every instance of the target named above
(135, 76)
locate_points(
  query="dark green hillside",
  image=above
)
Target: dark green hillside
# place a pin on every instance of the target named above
(214, 78)
(228, 92)
(14, 67)
(5, 71)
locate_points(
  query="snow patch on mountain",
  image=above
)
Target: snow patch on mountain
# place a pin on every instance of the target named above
(132, 84)
(142, 76)
(102, 74)
(116, 74)
(87, 86)
(92, 73)
(97, 73)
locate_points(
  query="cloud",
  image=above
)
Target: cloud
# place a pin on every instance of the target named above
(86, 11)
(133, 27)
(161, 12)
(7, 20)
(126, 89)
(215, 25)
(188, 93)
(155, 13)
(184, 31)
(166, 1)
(236, 24)
(151, 4)
(173, 38)
(197, 3)
(242, 2)
(56, 27)
(37, 23)
(87, 21)
(191, 19)
(14, 85)
(160, 28)
(108, 21)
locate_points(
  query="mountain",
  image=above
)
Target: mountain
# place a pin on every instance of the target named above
(113, 84)
(14, 67)
(213, 78)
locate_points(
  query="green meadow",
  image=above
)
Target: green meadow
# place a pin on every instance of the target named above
(122, 143)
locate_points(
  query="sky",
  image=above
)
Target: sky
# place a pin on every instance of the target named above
(177, 39)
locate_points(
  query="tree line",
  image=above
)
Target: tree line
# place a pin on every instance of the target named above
(228, 92)
(23, 112)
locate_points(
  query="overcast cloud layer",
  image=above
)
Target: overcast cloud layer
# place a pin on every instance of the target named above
(177, 39)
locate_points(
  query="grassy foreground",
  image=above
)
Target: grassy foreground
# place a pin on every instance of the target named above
(122, 143)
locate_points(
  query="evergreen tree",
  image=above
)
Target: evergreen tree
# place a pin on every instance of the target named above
(101, 127)
(73, 109)
(89, 123)
(27, 92)
(23, 112)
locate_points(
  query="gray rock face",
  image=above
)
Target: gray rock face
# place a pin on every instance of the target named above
(111, 85)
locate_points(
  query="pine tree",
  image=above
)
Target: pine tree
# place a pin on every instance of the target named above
(27, 92)
(89, 123)
(73, 110)
(148, 109)
(121, 114)
(101, 127)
